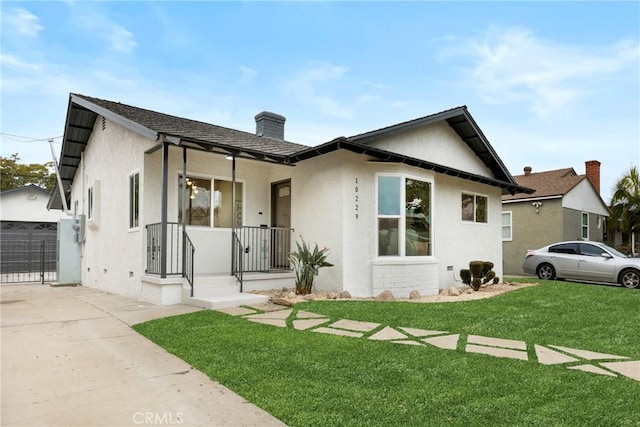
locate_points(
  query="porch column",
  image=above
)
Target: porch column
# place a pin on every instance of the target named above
(163, 210)
(183, 209)
(233, 213)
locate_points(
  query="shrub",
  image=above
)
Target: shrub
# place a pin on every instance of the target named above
(479, 273)
(306, 263)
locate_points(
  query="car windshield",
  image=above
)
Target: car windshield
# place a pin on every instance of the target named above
(615, 252)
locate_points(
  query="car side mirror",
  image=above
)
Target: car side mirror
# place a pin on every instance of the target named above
(606, 255)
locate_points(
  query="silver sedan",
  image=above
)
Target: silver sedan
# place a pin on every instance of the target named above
(584, 261)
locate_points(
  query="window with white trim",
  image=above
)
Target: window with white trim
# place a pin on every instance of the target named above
(474, 208)
(134, 200)
(507, 226)
(403, 216)
(585, 225)
(210, 201)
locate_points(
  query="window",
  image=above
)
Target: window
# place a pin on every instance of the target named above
(565, 248)
(591, 250)
(585, 226)
(404, 216)
(223, 206)
(90, 203)
(134, 200)
(205, 196)
(507, 226)
(474, 208)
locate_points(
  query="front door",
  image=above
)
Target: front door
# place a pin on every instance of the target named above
(281, 223)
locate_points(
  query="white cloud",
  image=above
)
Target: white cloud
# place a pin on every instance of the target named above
(22, 22)
(120, 38)
(511, 65)
(248, 73)
(8, 60)
(90, 17)
(312, 85)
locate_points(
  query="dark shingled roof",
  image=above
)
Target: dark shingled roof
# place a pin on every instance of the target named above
(83, 111)
(194, 130)
(555, 183)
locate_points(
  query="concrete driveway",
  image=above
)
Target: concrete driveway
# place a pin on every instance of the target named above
(69, 357)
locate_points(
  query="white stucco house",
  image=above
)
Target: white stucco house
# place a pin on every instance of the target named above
(401, 208)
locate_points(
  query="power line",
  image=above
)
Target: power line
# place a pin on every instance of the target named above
(27, 139)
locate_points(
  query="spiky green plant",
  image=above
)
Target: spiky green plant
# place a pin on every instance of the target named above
(306, 263)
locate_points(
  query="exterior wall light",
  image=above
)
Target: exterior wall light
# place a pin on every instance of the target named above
(537, 205)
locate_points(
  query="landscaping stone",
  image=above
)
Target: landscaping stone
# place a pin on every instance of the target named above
(385, 296)
(414, 295)
(592, 369)
(310, 297)
(283, 301)
(267, 307)
(304, 324)
(446, 342)
(454, 291)
(497, 342)
(629, 369)
(498, 352)
(291, 295)
(547, 356)
(345, 295)
(354, 325)
(332, 295)
(273, 322)
(387, 333)
(421, 332)
(281, 314)
(589, 355)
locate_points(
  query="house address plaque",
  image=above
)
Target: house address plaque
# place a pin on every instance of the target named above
(356, 196)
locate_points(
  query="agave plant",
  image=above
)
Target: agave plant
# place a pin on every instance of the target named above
(306, 263)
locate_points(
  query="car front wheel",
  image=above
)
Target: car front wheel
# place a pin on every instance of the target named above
(546, 272)
(630, 278)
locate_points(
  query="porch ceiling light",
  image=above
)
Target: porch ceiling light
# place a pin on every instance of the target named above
(228, 157)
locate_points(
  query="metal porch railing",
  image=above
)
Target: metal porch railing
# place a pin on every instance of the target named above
(261, 249)
(178, 263)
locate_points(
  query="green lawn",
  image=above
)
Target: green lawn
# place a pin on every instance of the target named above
(310, 379)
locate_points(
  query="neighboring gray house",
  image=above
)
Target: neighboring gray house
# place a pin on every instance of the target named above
(564, 206)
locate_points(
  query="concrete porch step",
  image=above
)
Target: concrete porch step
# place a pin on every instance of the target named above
(268, 280)
(213, 285)
(228, 301)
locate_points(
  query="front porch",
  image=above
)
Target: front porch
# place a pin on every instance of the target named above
(199, 236)
(258, 260)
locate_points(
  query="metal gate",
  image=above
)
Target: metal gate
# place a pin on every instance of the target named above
(31, 258)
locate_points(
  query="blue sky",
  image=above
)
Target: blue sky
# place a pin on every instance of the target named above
(551, 84)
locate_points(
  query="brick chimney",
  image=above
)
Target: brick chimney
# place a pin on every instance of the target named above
(592, 168)
(527, 170)
(270, 125)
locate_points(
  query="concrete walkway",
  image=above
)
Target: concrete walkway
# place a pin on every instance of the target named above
(69, 358)
(571, 358)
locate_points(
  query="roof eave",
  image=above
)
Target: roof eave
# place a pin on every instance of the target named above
(116, 118)
(343, 143)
